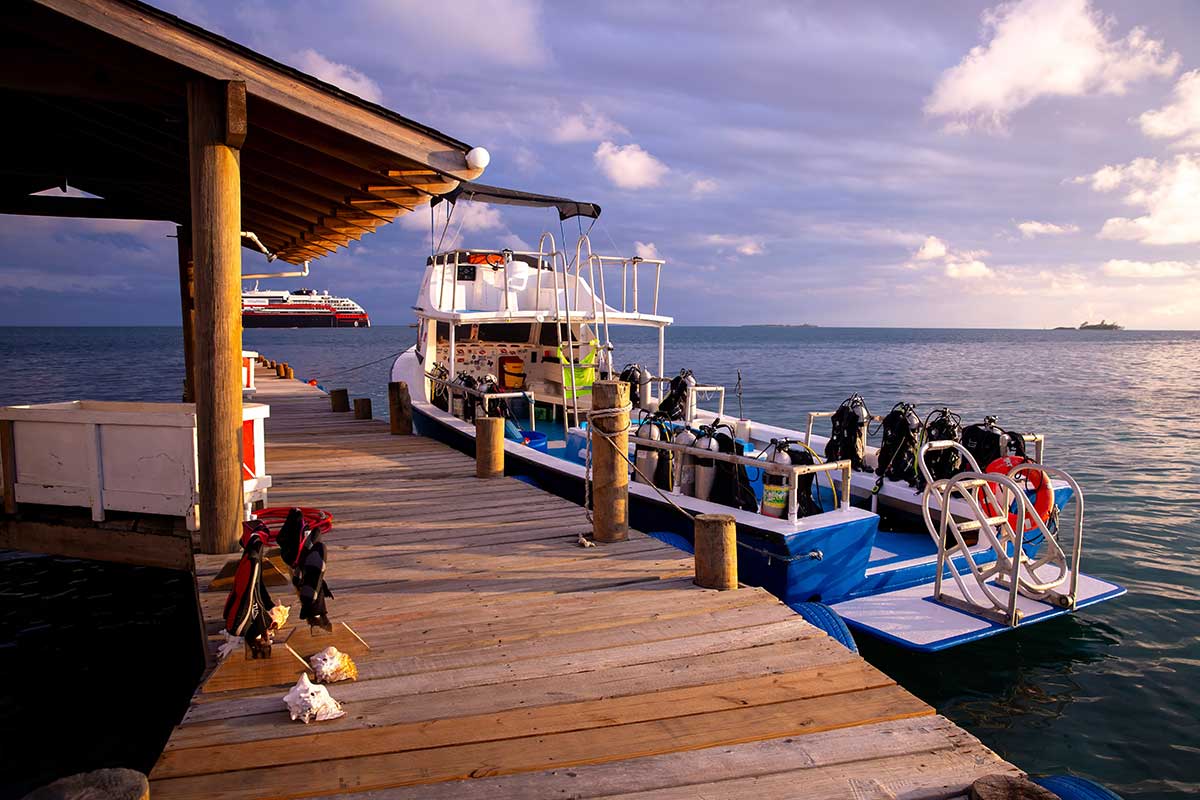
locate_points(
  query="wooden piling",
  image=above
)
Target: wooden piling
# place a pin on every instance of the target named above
(716, 551)
(216, 205)
(291, 373)
(8, 465)
(339, 400)
(187, 309)
(610, 470)
(362, 408)
(281, 369)
(489, 447)
(400, 409)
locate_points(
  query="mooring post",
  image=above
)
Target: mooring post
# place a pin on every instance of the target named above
(362, 408)
(339, 400)
(281, 369)
(291, 373)
(610, 470)
(400, 409)
(8, 465)
(716, 551)
(489, 447)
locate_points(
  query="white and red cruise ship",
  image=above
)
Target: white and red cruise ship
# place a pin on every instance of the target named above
(300, 308)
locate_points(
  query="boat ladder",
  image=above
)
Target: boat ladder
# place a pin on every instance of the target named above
(1023, 566)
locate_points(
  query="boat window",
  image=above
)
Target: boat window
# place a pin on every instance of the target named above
(462, 333)
(513, 332)
(548, 337)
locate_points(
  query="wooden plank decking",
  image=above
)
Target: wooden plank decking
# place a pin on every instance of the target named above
(507, 662)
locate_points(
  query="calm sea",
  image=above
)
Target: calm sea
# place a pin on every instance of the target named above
(97, 662)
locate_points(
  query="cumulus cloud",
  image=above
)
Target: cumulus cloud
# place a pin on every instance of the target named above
(645, 250)
(745, 245)
(932, 248)
(1154, 270)
(702, 186)
(465, 217)
(589, 125)
(1034, 228)
(629, 166)
(1167, 191)
(963, 270)
(1179, 119)
(1043, 48)
(340, 75)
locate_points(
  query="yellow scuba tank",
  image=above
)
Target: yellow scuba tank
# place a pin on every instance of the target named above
(777, 488)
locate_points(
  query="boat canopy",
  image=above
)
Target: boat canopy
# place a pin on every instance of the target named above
(513, 197)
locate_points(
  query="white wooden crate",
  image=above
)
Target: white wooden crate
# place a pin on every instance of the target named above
(138, 457)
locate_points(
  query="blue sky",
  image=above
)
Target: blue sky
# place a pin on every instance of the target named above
(1027, 164)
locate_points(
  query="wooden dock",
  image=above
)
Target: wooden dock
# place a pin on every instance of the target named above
(506, 661)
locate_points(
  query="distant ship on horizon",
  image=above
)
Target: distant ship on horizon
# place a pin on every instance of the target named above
(300, 308)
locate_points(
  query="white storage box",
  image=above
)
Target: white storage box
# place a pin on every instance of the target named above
(138, 457)
(248, 359)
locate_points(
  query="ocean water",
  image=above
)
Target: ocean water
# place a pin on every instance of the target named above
(1111, 693)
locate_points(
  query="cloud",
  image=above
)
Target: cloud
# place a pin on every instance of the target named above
(1155, 270)
(1179, 119)
(703, 186)
(589, 125)
(963, 270)
(1033, 228)
(931, 249)
(745, 245)
(629, 166)
(1167, 191)
(340, 75)
(645, 250)
(1042, 48)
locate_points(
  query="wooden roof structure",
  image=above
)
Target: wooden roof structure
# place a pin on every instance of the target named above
(96, 92)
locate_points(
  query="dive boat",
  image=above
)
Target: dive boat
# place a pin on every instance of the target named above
(526, 334)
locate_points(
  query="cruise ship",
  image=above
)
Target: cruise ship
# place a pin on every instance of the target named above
(300, 308)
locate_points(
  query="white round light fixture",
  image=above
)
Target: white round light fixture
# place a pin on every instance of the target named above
(478, 158)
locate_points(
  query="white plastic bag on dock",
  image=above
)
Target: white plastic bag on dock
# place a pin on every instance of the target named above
(332, 665)
(307, 701)
(230, 645)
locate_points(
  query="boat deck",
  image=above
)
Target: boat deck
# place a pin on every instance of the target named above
(506, 661)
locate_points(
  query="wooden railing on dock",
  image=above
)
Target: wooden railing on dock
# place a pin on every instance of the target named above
(507, 662)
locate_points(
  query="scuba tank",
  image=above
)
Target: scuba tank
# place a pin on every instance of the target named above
(942, 424)
(687, 463)
(441, 395)
(777, 488)
(304, 550)
(704, 469)
(680, 399)
(849, 437)
(988, 442)
(638, 378)
(248, 607)
(731, 482)
(898, 450)
(646, 458)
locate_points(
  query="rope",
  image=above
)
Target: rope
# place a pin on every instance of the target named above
(360, 366)
(610, 437)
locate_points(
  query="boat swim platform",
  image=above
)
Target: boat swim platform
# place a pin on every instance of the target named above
(506, 661)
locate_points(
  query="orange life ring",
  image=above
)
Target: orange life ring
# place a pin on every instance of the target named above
(1035, 480)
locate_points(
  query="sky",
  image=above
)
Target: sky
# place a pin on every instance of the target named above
(930, 164)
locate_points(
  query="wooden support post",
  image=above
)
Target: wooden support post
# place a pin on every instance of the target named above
(291, 373)
(281, 369)
(8, 465)
(400, 409)
(187, 308)
(362, 408)
(610, 470)
(489, 447)
(339, 400)
(716, 551)
(216, 201)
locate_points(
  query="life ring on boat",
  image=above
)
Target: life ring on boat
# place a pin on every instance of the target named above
(1036, 481)
(315, 519)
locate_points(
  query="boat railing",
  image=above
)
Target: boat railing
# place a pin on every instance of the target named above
(455, 387)
(790, 471)
(1014, 571)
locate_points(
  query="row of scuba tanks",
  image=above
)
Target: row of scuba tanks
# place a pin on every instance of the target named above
(904, 431)
(467, 406)
(709, 479)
